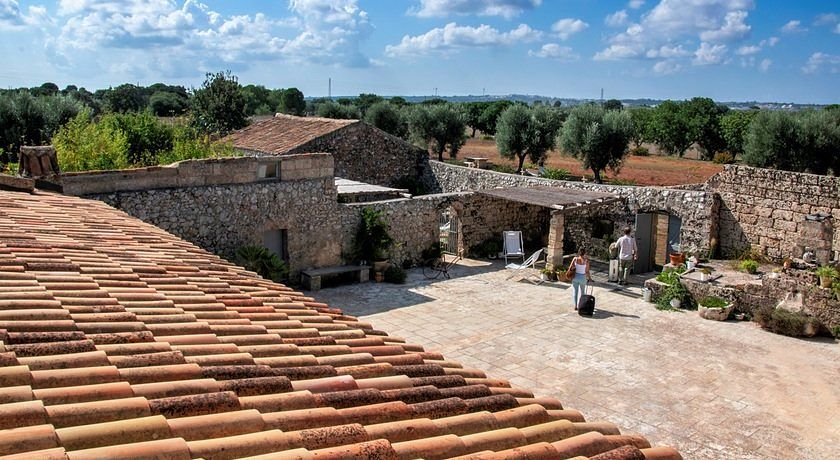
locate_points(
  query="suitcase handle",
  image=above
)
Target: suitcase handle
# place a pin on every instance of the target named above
(590, 286)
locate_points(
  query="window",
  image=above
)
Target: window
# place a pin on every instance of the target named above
(277, 241)
(268, 170)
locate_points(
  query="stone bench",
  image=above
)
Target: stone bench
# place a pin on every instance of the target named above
(312, 278)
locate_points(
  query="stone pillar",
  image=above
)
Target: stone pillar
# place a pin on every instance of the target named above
(554, 257)
(37, 162)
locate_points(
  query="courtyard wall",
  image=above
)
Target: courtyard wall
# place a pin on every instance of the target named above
(764, 208)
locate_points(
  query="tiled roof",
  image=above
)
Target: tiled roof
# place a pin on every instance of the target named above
(120, 340)
(283, 133)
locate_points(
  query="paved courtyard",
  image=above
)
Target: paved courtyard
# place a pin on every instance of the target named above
(713, 390)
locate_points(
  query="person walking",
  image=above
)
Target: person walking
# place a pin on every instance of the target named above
(580, 264)
(627, 254)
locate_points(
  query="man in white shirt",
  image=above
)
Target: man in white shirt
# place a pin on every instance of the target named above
(627, 253)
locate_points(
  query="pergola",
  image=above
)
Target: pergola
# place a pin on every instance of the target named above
(560, 201)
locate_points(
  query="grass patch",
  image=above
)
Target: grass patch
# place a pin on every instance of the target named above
(713, 302)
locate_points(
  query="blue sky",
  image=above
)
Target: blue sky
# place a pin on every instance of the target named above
(787, 51)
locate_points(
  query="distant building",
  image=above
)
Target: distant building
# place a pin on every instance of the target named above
(362, 152)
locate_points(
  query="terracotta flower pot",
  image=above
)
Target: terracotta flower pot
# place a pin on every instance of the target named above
(677, 258)
(717, 314)
(825, 281)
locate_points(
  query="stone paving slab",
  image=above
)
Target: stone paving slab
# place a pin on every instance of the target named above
(713, 390)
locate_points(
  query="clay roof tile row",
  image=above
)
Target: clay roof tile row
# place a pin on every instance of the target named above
(119, 340)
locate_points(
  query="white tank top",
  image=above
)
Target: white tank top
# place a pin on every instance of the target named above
(580, 268)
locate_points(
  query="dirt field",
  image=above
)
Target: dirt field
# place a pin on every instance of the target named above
(651, 170)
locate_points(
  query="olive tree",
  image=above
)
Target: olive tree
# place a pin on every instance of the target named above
(388, 118)
(527, 132)
(671, 128)
(734, 126)
(597, 137)
(438, 127)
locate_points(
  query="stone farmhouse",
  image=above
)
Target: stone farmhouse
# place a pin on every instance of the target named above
(360, 151)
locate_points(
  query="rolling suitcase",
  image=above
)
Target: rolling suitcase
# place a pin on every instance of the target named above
(586, 303)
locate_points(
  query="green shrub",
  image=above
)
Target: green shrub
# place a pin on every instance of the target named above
(713, 302)
(835, 331)
(670, 276)
(395, 274)
(640, 151)
(147, 136)
(188, 144)
(262, 261)
(488, 248)
(827, 271)
(749, 266)
(675, 291)
(83, 145)
(556, 173)
(723, 158)
(372, 238)
(783, 321)
(503, 168)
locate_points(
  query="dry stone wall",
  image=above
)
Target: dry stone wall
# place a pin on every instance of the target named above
(697, 209)
(367, 154)
(765, 209)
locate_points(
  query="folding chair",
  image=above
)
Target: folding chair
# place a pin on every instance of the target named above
(513, 245)
(521, 269)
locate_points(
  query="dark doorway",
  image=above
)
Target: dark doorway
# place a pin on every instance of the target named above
(644, 243)
(657, 236)
(277, 241)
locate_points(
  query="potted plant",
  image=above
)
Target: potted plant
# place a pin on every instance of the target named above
(750, 266)
(547, 274)
(372, 239)
(827, 275)
(705, 274)
(714, 308)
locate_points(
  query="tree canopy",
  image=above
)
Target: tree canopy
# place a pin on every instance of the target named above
(438, 127)
(597, 137)
(527, 132)
(219, 106)
(388, 118)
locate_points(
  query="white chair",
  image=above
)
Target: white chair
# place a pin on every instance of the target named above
(521, 269)
(513, 245)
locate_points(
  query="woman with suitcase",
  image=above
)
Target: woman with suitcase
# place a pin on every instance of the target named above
(580, 268)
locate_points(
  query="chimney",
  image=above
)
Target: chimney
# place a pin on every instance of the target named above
(41, 164)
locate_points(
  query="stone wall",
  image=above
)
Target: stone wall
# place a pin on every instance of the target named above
(765, 208)
(484, 217)
(198, 173)
(221, 218)
(698, 209)
(367, 154)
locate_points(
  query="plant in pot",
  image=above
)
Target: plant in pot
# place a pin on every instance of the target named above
(547, 274)
(827, 275)
(714, 308)
(677, 258)
(750, 266)
(372, 240)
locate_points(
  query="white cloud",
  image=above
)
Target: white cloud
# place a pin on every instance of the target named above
(765, 64)
(636, 4)
(793, 26)
(819, 61)
(771, 42)
(615, 52)
(12, 18)
(617, 19)
(452, 38)
(555, 51)
(748, 50)
(732, 29)
(666, 67)
(826, 19)
(566, 27)
(708, 54)
(671, 24)
(667, 52)
(444, 8)
(165, 36)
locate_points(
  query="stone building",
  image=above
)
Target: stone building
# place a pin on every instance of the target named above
(362, 152)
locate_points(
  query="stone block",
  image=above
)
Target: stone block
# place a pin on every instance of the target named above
(20, 184)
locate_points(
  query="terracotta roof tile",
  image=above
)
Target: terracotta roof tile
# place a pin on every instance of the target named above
(119, 340)
(283, 133)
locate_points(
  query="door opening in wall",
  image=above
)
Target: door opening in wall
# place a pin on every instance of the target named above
(657, 236)
(448, 227)
(277, 241)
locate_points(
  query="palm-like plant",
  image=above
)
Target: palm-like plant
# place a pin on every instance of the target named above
(262, 261)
